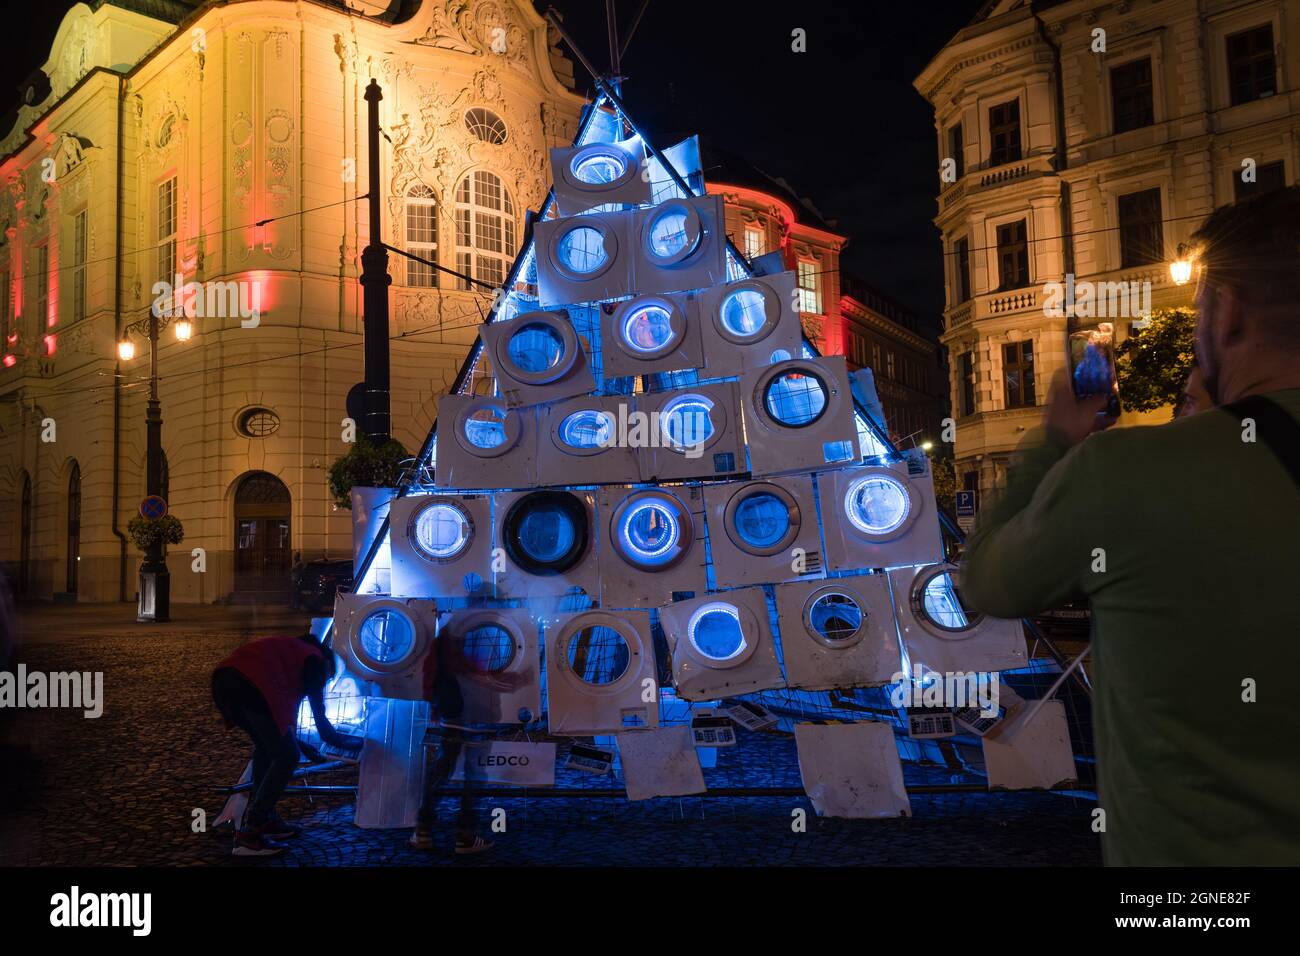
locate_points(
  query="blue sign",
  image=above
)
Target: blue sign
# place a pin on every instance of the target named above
(153, 506)
(965, 504)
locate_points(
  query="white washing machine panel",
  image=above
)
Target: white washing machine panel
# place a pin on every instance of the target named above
(386, 640)
(941, 634)
(500, 678)
(879, 516)
(585, 177)
(549, 543)
(838, 633)
(692, 432)
(799, 416)
(600, 673)
(584, 259)
(681, 244)
(722, 645)
(578, 442)
(537, 357)
(441, 545)
(648, 334)
(764, 532)
(749, 324)
(482, 443)
(652, 550)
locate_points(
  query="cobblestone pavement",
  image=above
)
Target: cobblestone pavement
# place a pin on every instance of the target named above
(121, 790)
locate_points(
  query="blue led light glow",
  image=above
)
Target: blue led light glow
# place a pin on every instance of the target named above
(795, 399)
(835, 617)
(668, 235)
(599, 655)
(546, 533)
(535, 347)
(941, 600)
(714, 631)
(582, 250)
(744, 312)
(598, 167)
(687, 421)
(387, 637)
(877, 505)
(486, 428)
(489, 648)
(441, 531)
(588, 428)
(762, 519)
(650, 531)
(648, 328)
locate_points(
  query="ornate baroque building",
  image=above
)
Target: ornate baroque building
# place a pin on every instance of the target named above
(1089, 138)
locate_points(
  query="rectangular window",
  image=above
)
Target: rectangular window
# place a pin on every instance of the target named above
(1131, 95)
(810, 294)
(956, 150)
(1018, 373)
(79, 266)
(1141, 236)
(889, 364)
(1004, 133)
(167, 230)
(962, 249)
(421, 237)
(1013, 256)
(875, 356)
(753, 243)
(1252, 69)
(42, 288)
(1268, 178)
(966, 374)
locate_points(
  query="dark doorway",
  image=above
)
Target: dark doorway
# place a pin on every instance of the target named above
(262, 552)
(74, 527)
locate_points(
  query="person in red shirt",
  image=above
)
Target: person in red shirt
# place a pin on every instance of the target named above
(259, 689)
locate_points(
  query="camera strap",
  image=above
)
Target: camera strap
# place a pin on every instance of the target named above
(1275, 427)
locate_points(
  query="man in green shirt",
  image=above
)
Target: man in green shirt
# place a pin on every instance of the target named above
(1184, 538)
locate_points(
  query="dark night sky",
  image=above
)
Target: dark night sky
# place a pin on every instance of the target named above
(840, 122)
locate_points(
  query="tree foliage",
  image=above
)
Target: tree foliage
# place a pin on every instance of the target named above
(1153, 365)
(944, 473)
(366, 466)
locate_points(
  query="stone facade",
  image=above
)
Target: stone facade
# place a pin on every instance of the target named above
(1089, 133)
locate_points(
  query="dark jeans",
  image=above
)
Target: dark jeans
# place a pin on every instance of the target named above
(275, 755)
(449, 705)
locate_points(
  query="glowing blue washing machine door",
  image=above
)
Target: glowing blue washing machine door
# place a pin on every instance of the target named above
(386, 639)
(795, 399)
(648, 330)
(937, 599)
(441, 531)
(598, 655)
(587, 429)
(878, 505)
(715, 632)
(535, 348)
(546, 532)
(762, 518)
(687, 421)
(651, 530)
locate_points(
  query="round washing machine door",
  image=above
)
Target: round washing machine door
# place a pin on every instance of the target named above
(879, 505)
(599, 652)
(441, 530)
(721, 635)
(762, 519)
(937, 606)
(835, 617)
(648, 327)
(794, 395)
(489, 642)
(600, 168)
(543, 348)
(546, 532)
(671, 233)
(651, 530)
(691, 423)
(748, 312)
(487, 429)
(583, 249)
(584, 431)
(386, 639)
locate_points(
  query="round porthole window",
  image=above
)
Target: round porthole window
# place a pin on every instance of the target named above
(937, 598)
(257, 422)
(489, 648)
(762, 519)
(387, 638)
(598, 655)
(877, 504)
(672, 232)
(651, 530)
(441, 531)
(648, 328)
(748, 312)
(835, 618)
(687, 421)
(582, 251)
(535, 347)
(546, 532)
(795, 398)
(599, 166)
(587, 429)
(485, 427)
(714, 631)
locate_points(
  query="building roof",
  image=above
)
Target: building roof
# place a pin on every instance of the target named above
(863, 292)
(726, 167)
(169, 11)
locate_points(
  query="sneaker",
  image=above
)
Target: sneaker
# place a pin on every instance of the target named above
(421, 839)
(255, 842)
(277, 829)
(475, 845)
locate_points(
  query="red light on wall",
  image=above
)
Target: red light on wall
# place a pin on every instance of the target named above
(51, 344)
(9, 360)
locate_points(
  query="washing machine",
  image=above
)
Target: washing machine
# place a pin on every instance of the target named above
(838, 633)
(537, 357)
(578, 442)
(441, 545)
(763, 532)
(584, 259)
(941, 634)
(599, 174)
(649, 334)
(483, 443)
(548, 543)
(600, 673)
(385, 640)
(681, 244)
(500, 654)
(799, 416)
(652, 546)
(721, 645)
(749, 324)
(879, 516)
(691, 432)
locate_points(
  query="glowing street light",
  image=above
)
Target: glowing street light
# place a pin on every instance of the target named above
(126, 349)
(927, 445)
(1180, 270)
(184, 329)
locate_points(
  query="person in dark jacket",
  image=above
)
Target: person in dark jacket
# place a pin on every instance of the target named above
(259, 689)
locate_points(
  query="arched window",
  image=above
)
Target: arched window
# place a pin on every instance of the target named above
(486, 125)
(421, 236)
(485, 228)
(74, 527)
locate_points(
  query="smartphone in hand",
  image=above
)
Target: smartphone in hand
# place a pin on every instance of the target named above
(1092, 365)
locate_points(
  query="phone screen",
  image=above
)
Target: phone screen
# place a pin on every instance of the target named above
(1092, 364)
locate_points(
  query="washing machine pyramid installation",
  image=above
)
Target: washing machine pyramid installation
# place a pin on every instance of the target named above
(654, 522)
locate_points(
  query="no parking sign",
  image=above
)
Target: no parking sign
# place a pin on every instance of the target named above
(153, 506)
